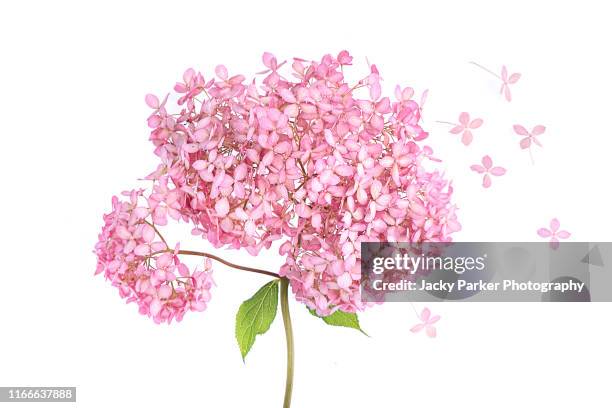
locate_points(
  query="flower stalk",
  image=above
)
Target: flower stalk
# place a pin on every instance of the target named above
(221, 260)
(284, 297)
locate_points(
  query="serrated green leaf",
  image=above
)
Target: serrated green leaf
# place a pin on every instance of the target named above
(340, 318)
(255, 316)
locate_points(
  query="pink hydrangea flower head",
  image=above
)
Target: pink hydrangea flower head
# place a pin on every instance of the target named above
(300, 156)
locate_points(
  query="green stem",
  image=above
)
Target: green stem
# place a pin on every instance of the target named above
(289, 336)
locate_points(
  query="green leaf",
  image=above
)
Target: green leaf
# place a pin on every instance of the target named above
(256, 315)
(340, 318)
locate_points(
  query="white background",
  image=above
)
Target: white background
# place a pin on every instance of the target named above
(73, 78)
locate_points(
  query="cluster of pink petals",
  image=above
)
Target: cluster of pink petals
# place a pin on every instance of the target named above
(300, 157)
(143, 268)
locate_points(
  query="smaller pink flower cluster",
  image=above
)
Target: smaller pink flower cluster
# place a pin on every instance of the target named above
(143, 268)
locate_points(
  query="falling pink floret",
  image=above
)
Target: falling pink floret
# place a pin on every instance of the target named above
(465, 127)
(554, 233)
(427, 323)
(507, 81)
(529, 137)
(488, 170)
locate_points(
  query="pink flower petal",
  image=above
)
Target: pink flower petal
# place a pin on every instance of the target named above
(498, 171)
(269, 60)
(183, 270)
(525, 143)
(222, 207)
(154, 121)
(345, 280)
(563, 234)
(431, 331)
(514, 78)
(142, 250)
(464, 118)
(148, 233)
(538, 130)
(554, 225)
(375, 91)
(424, 97)
(417, 328)
(155, 307)
(221, 72)
(486, 181)
(554, 243)
(344, 58)
(476, 123)
(123, 232)
(188, 75)
(520, 130)
(191, 147)
(536, 141)
(287, 95)
(478, 168)
(507, 93)
(457, 129)
(487, 162)
(152, 101)
(467, 138)
(304, 211)
(544, 232)
(504, 73)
